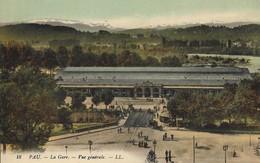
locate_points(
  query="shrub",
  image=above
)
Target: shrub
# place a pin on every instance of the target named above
(210, 126)
(224, 125)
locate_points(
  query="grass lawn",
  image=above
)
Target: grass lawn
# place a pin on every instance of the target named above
(59, 130)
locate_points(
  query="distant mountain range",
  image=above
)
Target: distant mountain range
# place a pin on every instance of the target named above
(43, 32)
(95, 27)
(80, 26)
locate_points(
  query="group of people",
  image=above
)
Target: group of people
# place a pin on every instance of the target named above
(119, 130)
(143, 144)
(166, 138)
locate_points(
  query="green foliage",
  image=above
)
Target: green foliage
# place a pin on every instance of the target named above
(49, 60)
(64, 117)
(129, 59)
(96, 99)
(170, 62)
(151, 62)
(61, 94)
(107, 97)
(77, 99)
(151, 157)
(107, 60)
(28, 108)
(178, 104)
(62, 56)
(76, 57)
(203, 110)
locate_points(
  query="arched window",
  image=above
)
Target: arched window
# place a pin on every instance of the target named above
(139, 92)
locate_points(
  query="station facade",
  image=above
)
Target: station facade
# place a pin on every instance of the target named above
(149, 82)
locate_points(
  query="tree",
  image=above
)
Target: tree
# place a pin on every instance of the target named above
(151, 157)
(61, 94)
(62, 56)
(2, 56)
(9, 103)
(28, 109)
(107, 60)
(170, 62)
(91, 59)
(151, 62)
(227, 97)
(11, 57)
(96, 99)
(107, 97)
(64, 118)
(76, 58)
(129, 59)
(77, 99)
(49, 60)
(179, 103)
(245, 101)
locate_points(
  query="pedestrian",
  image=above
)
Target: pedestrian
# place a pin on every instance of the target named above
(166, 159)
(128, 130)
(166, 153)
(145, 144)
(133, 141)
(170, 156)
(172, 136)
(196, 145)
(234, 154)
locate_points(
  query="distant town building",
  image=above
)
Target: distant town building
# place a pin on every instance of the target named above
(149, 82)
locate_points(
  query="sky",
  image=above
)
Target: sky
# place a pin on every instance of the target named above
(132, 13)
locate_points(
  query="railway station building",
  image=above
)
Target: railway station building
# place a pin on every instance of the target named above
(149, 82)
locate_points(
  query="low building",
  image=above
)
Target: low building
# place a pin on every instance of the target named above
(149, 82)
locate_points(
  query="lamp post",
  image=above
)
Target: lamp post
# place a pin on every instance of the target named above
(249, 138)
(90, 144)
(225, 148)
(154, 145)
(66, 149)
(193, 148)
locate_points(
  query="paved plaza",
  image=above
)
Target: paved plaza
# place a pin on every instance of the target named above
(209, 145)
(111, 142)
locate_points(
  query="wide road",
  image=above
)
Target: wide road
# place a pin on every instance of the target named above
(139, 118)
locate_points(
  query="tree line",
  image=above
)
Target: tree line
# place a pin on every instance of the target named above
(13, 56)
(212, 46)
(235, 104)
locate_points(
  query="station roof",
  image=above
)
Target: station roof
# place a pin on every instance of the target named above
(164, 76)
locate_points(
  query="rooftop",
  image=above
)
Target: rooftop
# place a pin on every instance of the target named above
(167, 76)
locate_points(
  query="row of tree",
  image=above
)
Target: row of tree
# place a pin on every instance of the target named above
(233, 104)
(12, 56)
(78, 98)
(193, 43)
(211, 47)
